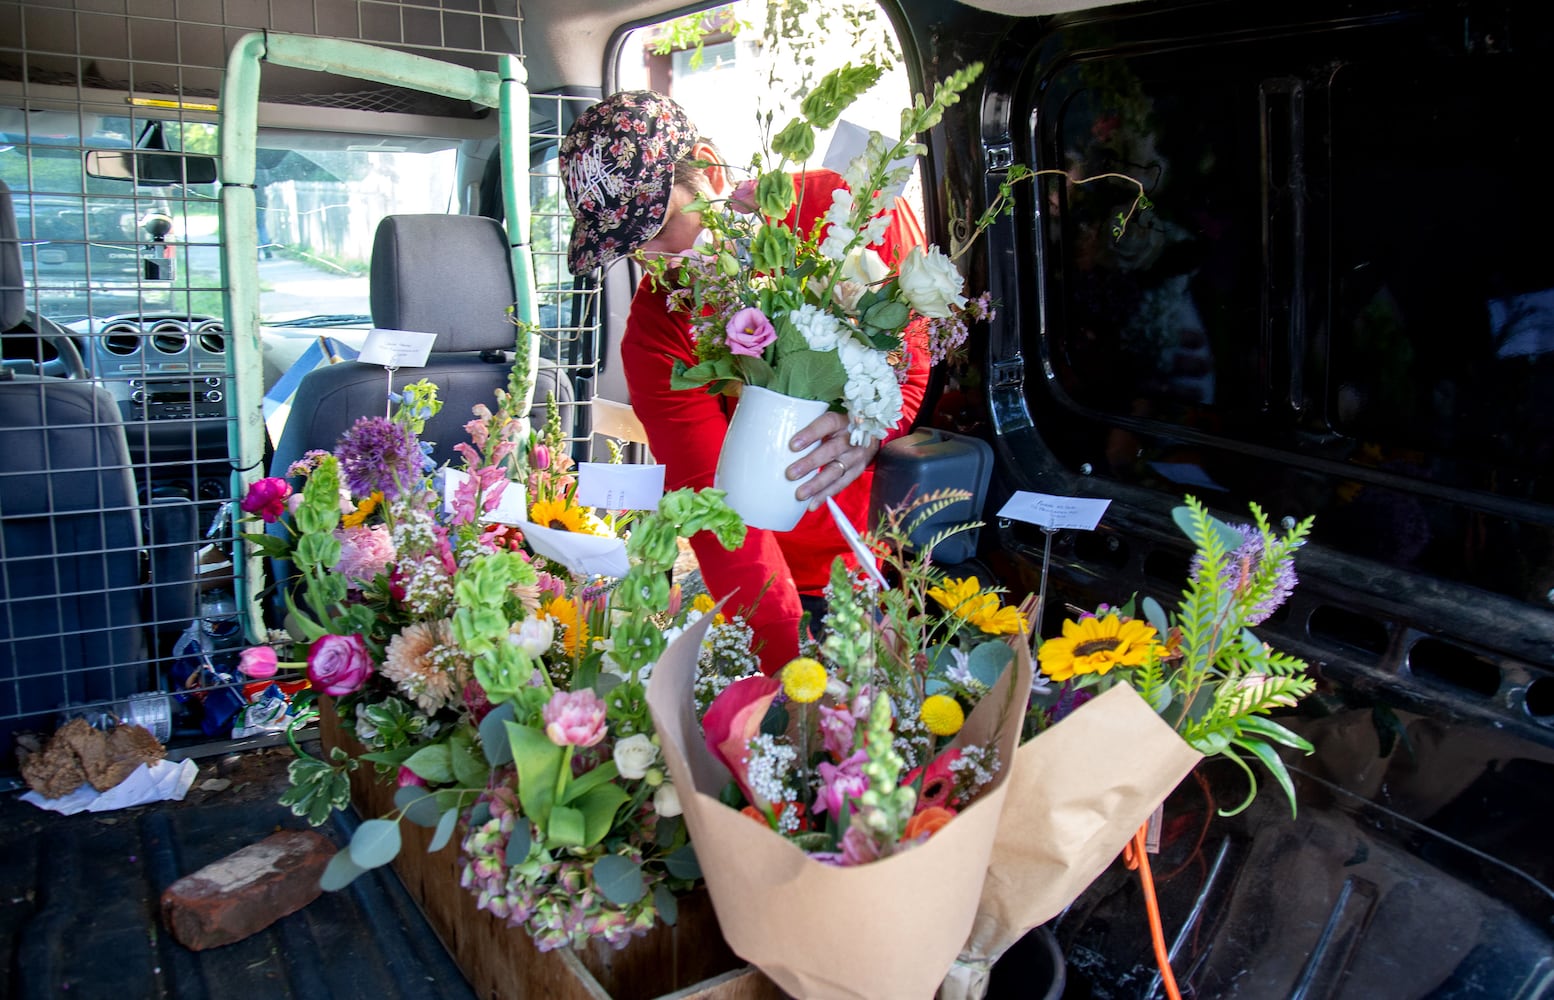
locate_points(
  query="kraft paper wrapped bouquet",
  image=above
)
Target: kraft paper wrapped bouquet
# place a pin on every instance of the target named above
(1154, 696)
(844, 811)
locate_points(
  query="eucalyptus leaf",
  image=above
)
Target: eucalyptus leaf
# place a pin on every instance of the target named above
(376, 842)
(682, 864)
(619, 879)
(479, 814)
(667, 829)
(419, 805)
(340, 872)
(432, 763)
(668, 907)
(518, 843)
(444, 831)
(493, 736)
(987, 662)
(1156, 616)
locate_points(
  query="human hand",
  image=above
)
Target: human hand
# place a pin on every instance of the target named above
(836, 461)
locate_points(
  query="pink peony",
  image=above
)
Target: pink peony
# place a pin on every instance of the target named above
(267, 498)
(574, 718)
(364, 553)
(749, 332)
(257, 662)
(339, 664)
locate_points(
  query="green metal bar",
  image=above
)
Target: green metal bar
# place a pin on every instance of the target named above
(514, 111)
(369, 62)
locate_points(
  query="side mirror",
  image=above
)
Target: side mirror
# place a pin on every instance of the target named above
(150, 169)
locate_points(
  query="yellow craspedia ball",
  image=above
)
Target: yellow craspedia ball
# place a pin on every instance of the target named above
(942, 715)
(804, 680)
(702, 602)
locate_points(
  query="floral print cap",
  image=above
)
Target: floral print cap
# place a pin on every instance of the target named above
(617, 167)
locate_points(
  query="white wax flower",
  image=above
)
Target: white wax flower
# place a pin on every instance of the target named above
(634, 755)
(930, 282)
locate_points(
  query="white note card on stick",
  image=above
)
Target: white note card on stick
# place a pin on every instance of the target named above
(397, 348)
(613, 486)
(1053, 512)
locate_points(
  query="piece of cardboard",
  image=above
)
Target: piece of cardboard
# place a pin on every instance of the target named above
(891, 928)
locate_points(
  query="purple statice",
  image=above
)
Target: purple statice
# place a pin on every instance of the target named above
(377, 454)
(1244, 567)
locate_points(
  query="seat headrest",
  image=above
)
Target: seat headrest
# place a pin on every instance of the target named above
(450, 275)
(13, 294)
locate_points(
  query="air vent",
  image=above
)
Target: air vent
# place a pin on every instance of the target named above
(169, 338)
(122, 339)
(212, 338)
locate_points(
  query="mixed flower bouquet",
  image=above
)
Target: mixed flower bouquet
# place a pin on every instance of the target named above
(868, 776)
(1124, 708)
(501, 692)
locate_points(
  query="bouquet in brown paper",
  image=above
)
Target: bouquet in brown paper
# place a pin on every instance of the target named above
(869, 804)
(1154, 696)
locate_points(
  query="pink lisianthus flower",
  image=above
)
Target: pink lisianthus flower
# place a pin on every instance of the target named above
(339, 664)
(574, 718)
(743, 198)
(267, 498)
(258, 662)
(749, 332)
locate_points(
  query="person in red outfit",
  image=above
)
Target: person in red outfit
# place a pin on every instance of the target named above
(629, 171)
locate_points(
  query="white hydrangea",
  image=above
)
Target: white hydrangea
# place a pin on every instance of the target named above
(821, 330)
(872, 395)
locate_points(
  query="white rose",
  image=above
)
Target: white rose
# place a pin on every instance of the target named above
(532, 635)
(666, 801)
(860, 271)
(634, 755)
(930, 282)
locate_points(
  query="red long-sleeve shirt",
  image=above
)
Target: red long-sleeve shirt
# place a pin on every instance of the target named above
(685, 431)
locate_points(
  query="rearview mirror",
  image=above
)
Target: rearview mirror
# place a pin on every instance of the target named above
(150, 169)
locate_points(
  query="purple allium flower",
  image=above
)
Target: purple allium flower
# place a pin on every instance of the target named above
(378, 454)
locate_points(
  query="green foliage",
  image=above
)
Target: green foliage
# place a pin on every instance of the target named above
(318, 787)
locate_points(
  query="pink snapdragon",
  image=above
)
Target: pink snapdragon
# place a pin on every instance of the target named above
(749, 332)
(841, 782)
(574, 718)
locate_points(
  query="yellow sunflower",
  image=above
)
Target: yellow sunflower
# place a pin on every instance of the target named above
(560, 515)
(574, 628)
(1095, 645)
(968, 601)
(363, 511)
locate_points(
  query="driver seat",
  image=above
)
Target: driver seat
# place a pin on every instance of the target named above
(71, 628)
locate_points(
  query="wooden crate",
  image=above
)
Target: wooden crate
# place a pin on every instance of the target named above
(688, 961)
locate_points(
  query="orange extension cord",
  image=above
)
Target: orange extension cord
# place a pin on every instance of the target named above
(1135, 856)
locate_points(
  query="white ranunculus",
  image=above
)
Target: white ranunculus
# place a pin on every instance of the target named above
(860, 271)
(821, 330)
(930, 282)
(533, 635)
(666, 801)
(634, 755)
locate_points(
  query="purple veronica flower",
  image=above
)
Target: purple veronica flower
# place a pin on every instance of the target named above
(378, 454)
(1245, 562)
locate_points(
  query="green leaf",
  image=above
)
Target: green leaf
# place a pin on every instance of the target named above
(268, 545)
(519, 842)
(668, 907)
(1269, 729)
(539, 763)
(566, 827)
(754, 371)
(796, 142)
(666, 830)
(479, 814)
(811, 375)
(583, 784)
(598, 807)
(469, 767)
(887, 315)
(340, 872)
(493, 737)
(987, 662)
(376, 842)
(1275, 766)
(1156, 616)
(444, 832)
(1229, 538)
(1212, 742)
(682, 864)
(619, 879)
(433, 763)
(417, 805)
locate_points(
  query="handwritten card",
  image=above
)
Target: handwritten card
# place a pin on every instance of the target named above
(611, 486)
(1054, 513)
(396, 348)
(512, 508)
(586, 555)
(855, 542)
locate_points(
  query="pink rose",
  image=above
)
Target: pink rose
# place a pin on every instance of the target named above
(574, 718)
(267, 498)
(339, 664)
(257, 662)
(749, 332)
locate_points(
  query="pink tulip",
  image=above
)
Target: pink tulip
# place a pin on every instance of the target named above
(574, 718)
(257, 662)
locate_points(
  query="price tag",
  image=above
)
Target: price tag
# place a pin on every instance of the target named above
(612, 486)
(1054, 512)
(396, 348)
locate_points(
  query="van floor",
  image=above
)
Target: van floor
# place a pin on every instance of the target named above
(79, 911)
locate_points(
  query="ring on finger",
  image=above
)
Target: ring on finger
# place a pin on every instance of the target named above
(841, 465)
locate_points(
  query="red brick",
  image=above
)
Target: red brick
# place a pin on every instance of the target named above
(248, 890)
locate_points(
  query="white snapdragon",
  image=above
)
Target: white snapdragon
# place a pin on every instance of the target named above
(839, 235)
(634, 755)
(872, 395)
(821, 330)
(930, 282)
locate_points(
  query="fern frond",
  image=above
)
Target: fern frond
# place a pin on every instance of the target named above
(948, 532)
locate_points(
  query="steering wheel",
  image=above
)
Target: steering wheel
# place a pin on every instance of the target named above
(67, 361)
